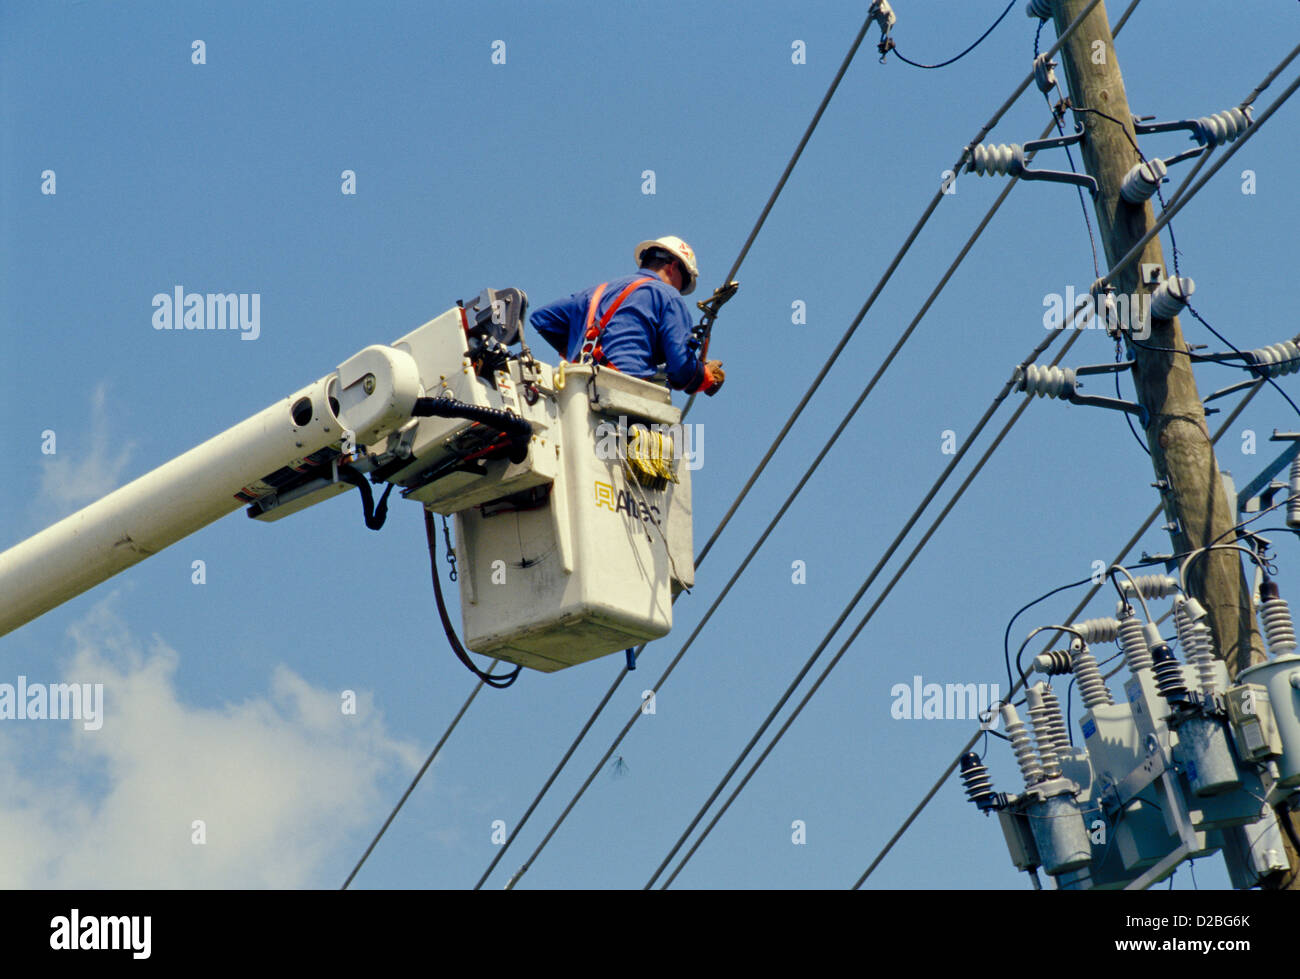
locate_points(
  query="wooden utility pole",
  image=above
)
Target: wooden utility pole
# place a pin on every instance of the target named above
(1194, 495)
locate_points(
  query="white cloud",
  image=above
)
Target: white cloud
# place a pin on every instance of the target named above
(71, 479)
(285, 783)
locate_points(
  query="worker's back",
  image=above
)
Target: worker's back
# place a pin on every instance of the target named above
(651, 326)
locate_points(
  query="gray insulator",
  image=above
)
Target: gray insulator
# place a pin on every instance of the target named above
(1055, 663)
(1149, 585)
(1044, 76)
(1198, 645)
(1042, 9)
(1169, 298)
(1277, 359)
(1047, 382)
(1137, 654)
(1097, 630)
(988, 158)
(1293, 507)
(1279, 630)
(1022, 745)
(1220, 128)
(1141, 182)
(883, 14)
(1044, 724)
(1092, 686)
(1059, 736)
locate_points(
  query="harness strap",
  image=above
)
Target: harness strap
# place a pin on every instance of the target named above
(591, 349)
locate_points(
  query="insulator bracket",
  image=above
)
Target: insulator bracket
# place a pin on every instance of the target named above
(1213, 130)
(1011, 160)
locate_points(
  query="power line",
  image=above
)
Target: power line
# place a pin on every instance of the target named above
(889, 552)
(944, 64)
(418, 775)
(735, 267)
(1123, 552)
(836, 659)
(1177, 200)
(1184, 193)
(799, 410)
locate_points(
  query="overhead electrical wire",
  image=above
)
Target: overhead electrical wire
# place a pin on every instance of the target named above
(735, 267)
(807, 397)
(889, 552)
(1177, 200)
(944, 64)
(831, 665)
(1083, 603)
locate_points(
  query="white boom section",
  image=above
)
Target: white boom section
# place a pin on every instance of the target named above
(370, 395)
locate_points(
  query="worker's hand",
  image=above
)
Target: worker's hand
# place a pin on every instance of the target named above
(714, 375)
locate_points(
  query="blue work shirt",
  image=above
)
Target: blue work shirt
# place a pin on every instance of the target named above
(652, 327)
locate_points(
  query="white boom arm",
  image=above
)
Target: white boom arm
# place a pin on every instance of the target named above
(370, 395)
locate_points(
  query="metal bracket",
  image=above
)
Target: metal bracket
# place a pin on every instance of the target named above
(1264, 483)
(1013, 160)
(1057, 176)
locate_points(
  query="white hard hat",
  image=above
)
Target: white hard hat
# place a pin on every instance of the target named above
(679, 249)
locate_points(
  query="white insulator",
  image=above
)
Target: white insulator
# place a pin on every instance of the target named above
(1092, 685)
(1279, 630)
(988, 158)
(1097, 630)
(1278, 358)
(1220, 128)
(1042, 9)
(1203, 658)
(1056, 731)
(1169, 298)
(1293, 506)
(1149, 585)
(1022, 745)
(1133, 641)
(1040, 717)
(1141, 182)
(1054, 663)
(1197, 641)
(1047, 382)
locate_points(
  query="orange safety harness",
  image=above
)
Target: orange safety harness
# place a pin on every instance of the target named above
(591, 349)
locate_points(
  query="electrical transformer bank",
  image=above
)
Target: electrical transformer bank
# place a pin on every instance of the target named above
(1177, 763)
(568, 488)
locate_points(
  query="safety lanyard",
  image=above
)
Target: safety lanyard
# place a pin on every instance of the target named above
(591, 350)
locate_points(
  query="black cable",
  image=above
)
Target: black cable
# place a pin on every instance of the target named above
(1127, 417)
(726, 519)
(374, 515)
(798, 410)
(416, 781)
(944, 64)
(952, 766)
(497, 682)
(1006, 635)
(1259, 370)
(885, 592)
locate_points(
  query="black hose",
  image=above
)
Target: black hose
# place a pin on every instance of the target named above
(374, 515)
(520, 430)
(498, 682)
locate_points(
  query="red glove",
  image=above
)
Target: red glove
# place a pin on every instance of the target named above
(714, 375)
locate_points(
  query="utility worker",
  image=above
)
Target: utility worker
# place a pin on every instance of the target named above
(636, 322)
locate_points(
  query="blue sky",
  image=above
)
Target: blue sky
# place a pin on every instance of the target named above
(222, 698)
